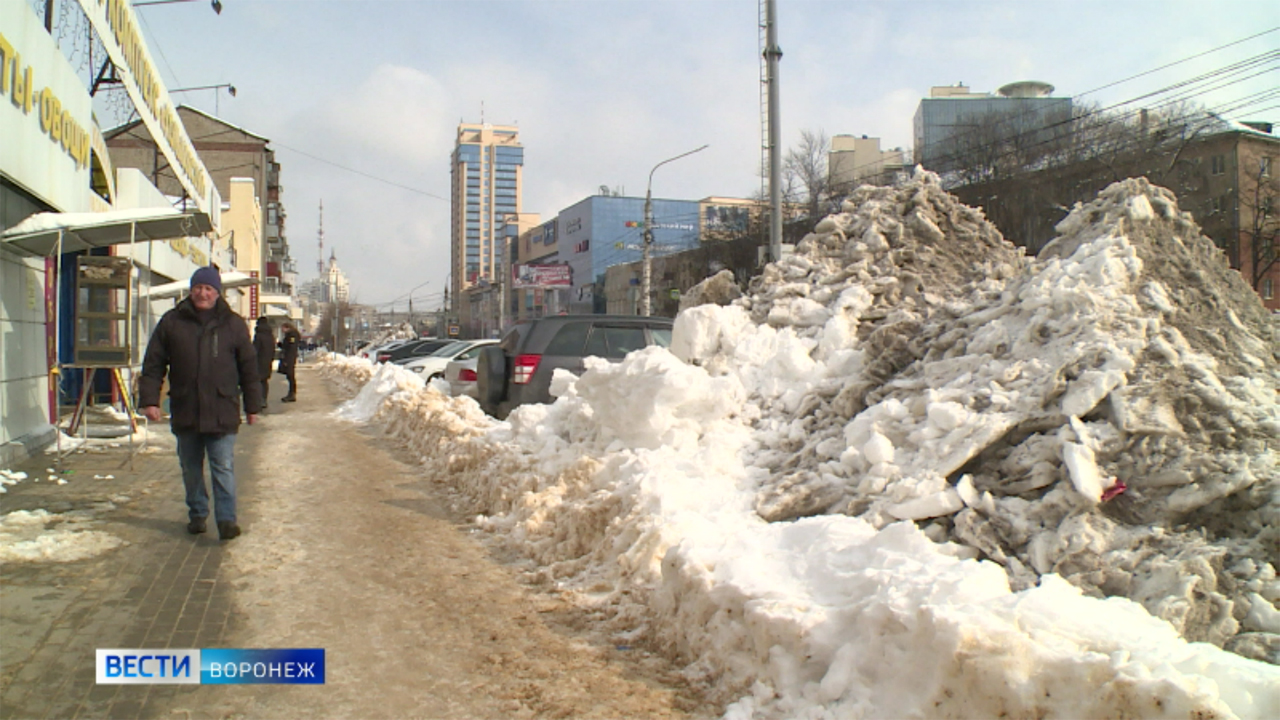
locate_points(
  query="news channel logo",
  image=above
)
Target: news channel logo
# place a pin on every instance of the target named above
(218, 666)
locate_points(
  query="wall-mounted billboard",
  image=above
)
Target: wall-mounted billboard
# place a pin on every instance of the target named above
(541, 276)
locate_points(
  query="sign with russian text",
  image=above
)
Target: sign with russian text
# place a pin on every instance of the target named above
(541, 276)
(253, 295)
(216, 666)
(117, 27)
(46, 116)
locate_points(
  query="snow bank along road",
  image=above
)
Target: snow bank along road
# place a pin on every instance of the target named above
(345, 548)
(348, 550)
(912, 472)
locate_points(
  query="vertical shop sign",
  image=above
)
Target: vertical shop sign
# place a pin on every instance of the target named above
(253, 295)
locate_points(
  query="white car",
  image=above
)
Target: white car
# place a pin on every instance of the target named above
(461, 376)
(432, 366)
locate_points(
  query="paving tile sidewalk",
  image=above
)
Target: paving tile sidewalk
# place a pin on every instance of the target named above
(160, 590)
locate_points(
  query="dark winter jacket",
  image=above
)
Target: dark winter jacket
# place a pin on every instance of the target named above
(264, 344)
(209, 365)
(289, 343)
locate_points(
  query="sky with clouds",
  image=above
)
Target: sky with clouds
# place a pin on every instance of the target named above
(604, 89)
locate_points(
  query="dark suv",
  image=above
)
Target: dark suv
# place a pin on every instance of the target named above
(518, 369)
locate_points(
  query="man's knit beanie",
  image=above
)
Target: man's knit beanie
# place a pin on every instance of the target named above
(207, 276)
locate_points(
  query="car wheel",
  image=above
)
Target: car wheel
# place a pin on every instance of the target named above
(437, 376)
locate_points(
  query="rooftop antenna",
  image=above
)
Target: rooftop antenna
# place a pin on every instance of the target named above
(320, 256)
(481, 112)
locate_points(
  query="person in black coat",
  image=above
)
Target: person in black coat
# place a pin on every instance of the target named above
(264, 344)
(289, 339)
(204, 349)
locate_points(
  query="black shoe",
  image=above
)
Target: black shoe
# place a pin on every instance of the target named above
(196, 526)
(289, 398)
(228, 530)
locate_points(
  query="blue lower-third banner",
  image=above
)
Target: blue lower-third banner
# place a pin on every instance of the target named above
(242, 667)
(292, 666)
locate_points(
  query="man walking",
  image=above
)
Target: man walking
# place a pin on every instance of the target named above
(289, 339)
(205, 350)
(264, 344)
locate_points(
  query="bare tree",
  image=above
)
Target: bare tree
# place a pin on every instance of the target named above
(804, 172)
(1260, 200)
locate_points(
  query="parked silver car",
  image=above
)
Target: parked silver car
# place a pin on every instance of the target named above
(432, 366)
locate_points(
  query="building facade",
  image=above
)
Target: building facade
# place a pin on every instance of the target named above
(229, 153)
(536, 290)
(855, 161)
(486, 170)
(604, 230)
(54, 161)
(953, 120)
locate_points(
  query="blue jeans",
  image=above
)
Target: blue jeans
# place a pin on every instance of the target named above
(220, 449)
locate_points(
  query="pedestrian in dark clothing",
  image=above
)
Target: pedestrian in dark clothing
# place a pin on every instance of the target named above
(289, 339)
(264, 344)
(205, 350)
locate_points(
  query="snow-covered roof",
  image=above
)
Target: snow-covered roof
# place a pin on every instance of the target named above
(232, 279)
(108, 134)
(41, 233)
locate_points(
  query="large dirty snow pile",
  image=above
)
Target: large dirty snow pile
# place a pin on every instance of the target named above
(913, 473)
(1109, 414)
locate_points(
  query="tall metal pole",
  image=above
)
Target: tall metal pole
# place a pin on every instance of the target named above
(773, 54)
(646, 272)
(647, 257)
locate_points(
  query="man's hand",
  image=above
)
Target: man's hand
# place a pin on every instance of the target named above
(152, 413)
(252, 418)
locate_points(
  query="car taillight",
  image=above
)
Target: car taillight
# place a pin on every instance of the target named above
(383, 357)
(526, 366)
(465, 375)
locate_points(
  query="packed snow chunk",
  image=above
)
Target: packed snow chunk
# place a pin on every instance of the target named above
(947, 416)
(701, 332)
(387, 380)
(1082, 467)
(1263, 615)
(944, 502)
(797, 312)
(1093, 385)
(26, 536)
(719, 289)
(651, 398)
(878, 449)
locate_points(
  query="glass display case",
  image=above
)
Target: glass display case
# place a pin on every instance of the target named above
(103, 308)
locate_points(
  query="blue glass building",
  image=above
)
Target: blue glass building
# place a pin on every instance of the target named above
(603, 230)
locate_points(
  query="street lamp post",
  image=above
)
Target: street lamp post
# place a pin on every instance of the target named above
(215, 4)
(646, 272)
(231, 90)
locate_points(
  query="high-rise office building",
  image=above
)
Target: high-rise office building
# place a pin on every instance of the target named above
(486, 170)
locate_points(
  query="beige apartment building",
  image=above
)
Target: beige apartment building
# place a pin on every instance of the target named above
(242, 231)
(855, 161)
(230, 153)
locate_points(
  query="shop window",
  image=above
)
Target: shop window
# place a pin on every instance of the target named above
(98, 177)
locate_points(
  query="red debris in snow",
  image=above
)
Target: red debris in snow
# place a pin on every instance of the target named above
(1114, 490)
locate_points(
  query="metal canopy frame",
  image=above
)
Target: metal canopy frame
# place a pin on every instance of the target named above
(56, 234)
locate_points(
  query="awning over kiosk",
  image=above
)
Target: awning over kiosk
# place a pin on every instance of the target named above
(232, 279)
(39, 234)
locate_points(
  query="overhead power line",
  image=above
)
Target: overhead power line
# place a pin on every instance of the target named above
(361, 173)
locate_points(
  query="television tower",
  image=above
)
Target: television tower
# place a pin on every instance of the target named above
(320, 256)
